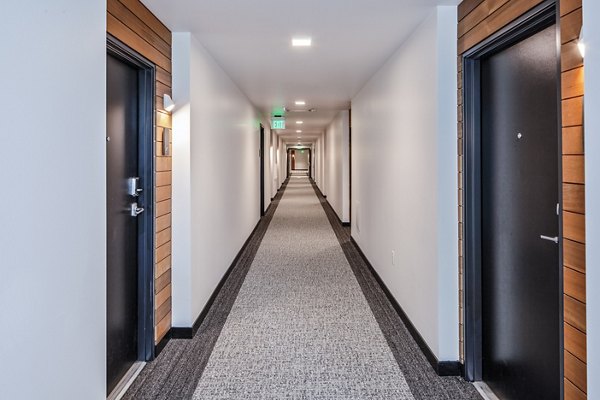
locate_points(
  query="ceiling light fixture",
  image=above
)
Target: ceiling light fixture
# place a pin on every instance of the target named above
(298, 131)
(299, 122)
(301, 42)
(300, 102)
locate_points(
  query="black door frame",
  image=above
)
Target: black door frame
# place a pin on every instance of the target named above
(289, 165)
(261, 153)
(540, 17)
(146, 151)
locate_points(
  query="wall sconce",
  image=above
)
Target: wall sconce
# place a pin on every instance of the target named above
(581, 43)
(168, 103)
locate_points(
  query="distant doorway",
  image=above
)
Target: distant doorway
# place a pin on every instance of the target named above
(299, 162)
(129, 212)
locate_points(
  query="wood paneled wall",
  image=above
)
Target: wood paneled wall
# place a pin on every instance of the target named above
(133, 24)
(477, 20)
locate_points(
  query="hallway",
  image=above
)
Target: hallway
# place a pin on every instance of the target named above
(301, 324)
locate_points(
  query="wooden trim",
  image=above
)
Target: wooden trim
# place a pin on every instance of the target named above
(134, 25)
(477, 21)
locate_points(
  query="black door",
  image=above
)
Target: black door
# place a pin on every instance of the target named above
(122, 227)
(262, 170)
(520, 192)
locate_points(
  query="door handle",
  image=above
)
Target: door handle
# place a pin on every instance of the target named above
(135, 210)
(550, 238)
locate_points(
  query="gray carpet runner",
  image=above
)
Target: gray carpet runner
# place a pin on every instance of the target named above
(301, 327)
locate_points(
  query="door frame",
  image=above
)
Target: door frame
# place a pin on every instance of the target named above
(262, 169)
(544, 15)
(146, 155)
(289, 164)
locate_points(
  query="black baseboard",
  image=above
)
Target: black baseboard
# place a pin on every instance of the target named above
(442, 368)
(189, 332)
(325, 197)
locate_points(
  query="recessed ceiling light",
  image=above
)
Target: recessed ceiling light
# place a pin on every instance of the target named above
(298, 131)
(301, 42)
(300, 102)
(299, 122)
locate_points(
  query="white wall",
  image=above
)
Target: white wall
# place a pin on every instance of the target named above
(337, 165)
(53, 236)
(591, 14)
(404, 178)
(301, 159)
(215, 175)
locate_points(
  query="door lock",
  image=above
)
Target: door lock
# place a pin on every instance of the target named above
(133, 186)
(135, 210)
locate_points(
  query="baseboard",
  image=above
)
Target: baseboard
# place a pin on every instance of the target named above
(442, 368)
(325, 197)
(189, 332)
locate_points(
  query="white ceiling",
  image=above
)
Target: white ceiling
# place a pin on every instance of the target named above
(250, 39)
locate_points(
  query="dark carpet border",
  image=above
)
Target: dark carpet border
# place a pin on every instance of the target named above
(419, 365)
(175, 373)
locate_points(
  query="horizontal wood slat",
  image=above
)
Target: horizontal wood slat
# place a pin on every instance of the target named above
(566, 6)
(163, 207)
(574, 169)
(575, 313)
(574, 226)
(479, 13)
(575, 342)
(494, 22)
(150, 19)
(570, 26)
(572, 83)
(126, 35)
(570, 56)
(574, 255)
(466, 6)
(162, 281)
(162, 327)
(163, 222)
(572, 392)
(123, 14)
(163, 310)
(572, 112)
(574, 284)
(575, 371)
(162, 266)
(572, 140)
(574, 198)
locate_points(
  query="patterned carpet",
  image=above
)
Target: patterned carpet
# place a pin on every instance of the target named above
(300, 327)
(300, 317)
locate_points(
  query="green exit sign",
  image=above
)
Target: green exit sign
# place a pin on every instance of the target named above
(278, 123)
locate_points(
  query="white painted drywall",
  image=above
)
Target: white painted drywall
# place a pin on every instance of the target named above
(53, 236)
(215, 175)
(404, 178)
(337, 165)
(591, 16)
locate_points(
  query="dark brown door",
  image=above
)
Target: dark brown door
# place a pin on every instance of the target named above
(520, 223)
(122, 227)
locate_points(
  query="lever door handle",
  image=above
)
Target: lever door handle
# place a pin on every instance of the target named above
(135, 210)
(550, 238)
